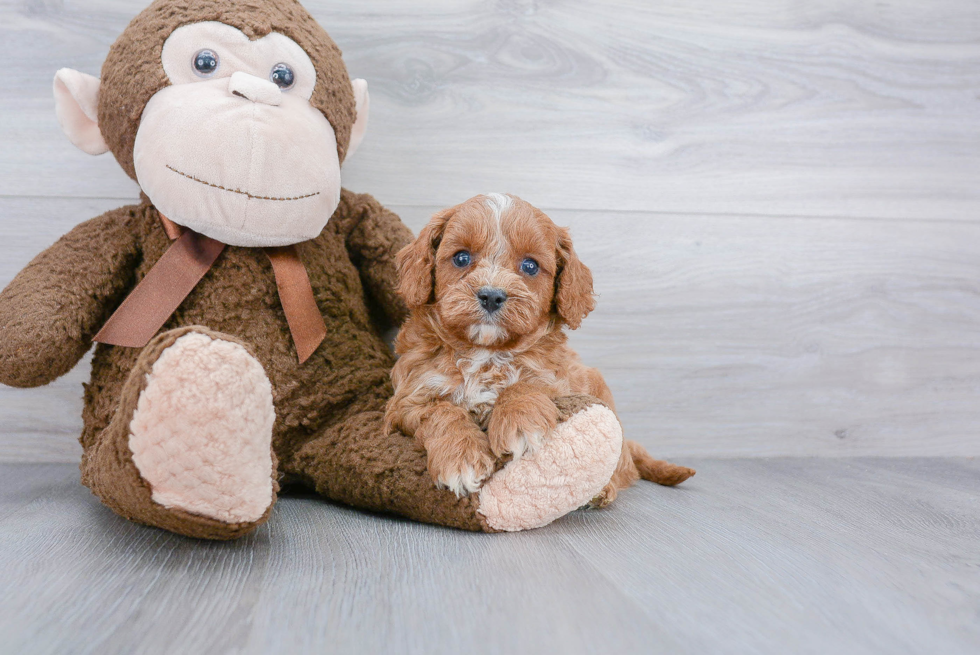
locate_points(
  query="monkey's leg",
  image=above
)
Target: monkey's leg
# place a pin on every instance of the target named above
(354, 462)
(189, 448)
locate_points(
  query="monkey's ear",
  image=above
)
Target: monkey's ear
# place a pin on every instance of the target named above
(76, 99)
(362, 101)
(416, 262)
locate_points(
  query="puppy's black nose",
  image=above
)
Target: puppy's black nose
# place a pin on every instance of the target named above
(491, 299)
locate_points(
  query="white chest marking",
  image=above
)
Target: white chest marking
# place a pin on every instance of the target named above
(485, 375)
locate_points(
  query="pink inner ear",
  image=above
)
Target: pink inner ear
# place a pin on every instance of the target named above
(76, 97)
(360, 125)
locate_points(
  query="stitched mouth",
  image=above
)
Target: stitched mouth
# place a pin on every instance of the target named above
(239, 191)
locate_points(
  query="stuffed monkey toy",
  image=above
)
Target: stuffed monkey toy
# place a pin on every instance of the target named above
(238, 309)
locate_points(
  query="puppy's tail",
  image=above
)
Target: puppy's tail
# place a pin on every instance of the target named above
(656, 470)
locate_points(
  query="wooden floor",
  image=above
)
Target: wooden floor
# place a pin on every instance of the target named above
(765, 555)
(780, 205)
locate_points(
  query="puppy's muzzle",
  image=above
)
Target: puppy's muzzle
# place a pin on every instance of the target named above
(491, 299)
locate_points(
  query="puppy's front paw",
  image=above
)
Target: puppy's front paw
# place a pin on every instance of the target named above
(521, 425)
(460, 460)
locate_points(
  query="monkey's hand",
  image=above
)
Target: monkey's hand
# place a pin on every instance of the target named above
(53, 307)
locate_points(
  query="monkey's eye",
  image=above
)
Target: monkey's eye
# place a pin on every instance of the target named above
(282, 76)
(461, 259)
(529, 267)
(206, 63)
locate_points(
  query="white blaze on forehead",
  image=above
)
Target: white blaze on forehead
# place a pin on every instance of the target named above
(498, 204)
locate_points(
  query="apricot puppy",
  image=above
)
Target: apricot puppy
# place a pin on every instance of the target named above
(491, 284)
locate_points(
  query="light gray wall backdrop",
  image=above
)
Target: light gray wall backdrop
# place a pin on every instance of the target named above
(780, 201)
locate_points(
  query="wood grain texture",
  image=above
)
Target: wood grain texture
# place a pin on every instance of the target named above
(779, 202)
(737, 336)
(797, 555)
(794, 108)
(717, 334)
(780, 207)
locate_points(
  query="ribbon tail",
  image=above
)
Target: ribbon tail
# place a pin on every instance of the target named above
(296, 295)
(159, 294)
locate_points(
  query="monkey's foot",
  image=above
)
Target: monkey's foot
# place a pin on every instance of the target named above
(570, 469)
(201, 434)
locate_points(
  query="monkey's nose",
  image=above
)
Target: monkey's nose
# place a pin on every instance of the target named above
(491, 299)
(255, 89)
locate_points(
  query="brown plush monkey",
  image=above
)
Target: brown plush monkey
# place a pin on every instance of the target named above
(239, 307)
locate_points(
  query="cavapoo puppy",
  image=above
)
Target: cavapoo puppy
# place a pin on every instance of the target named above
(491, 284)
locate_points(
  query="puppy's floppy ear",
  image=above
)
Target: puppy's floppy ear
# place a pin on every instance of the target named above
(574, 298)
(417, 261)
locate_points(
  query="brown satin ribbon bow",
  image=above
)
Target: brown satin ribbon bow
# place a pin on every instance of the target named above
(174, 276)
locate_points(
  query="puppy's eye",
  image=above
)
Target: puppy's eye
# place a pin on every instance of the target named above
(462, 259)
(205, 63)
(529, 267)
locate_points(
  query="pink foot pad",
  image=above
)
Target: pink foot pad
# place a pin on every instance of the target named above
(573, 465)
(202, 431)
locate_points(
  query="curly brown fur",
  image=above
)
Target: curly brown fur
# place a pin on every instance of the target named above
(499, 368)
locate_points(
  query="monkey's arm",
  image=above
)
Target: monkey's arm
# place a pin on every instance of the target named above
(55, 305)
(376, 237)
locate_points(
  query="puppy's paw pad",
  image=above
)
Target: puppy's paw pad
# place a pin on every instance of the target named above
(528, 443)
(460, 465)
(523, 429)
(464, 482)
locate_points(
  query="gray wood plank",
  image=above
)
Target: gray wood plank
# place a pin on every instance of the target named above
(804, 108)
(719, 335)
(779, 555)
(847, 556)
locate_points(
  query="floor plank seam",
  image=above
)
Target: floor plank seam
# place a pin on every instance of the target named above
(604, 210)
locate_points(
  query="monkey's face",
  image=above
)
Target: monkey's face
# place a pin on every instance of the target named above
(230, 143)
(232, 148)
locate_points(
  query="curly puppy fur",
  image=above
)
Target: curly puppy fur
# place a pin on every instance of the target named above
(483, 354)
